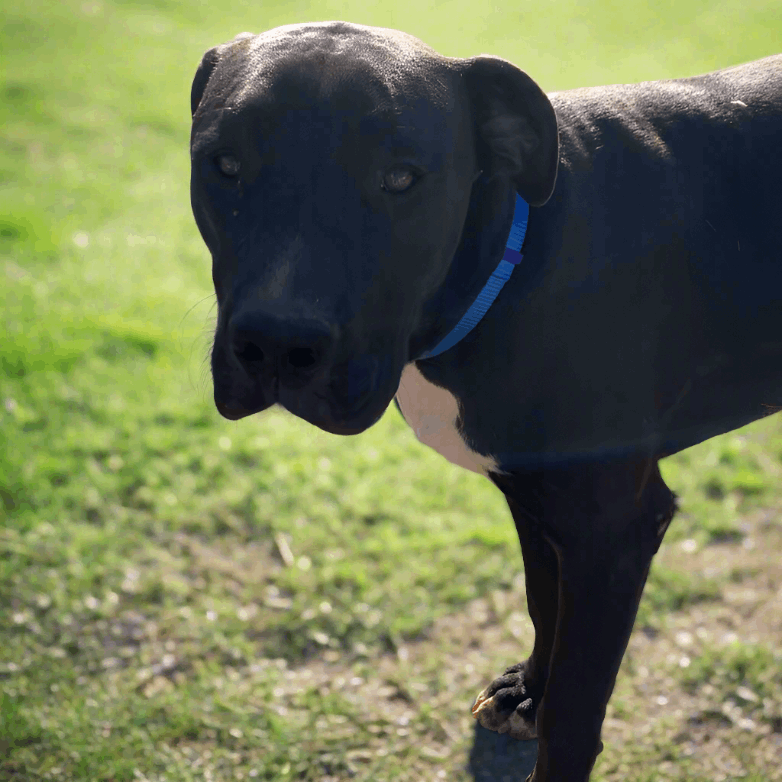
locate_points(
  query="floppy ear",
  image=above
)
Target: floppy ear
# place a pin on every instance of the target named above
(515, 124)
(206, 67)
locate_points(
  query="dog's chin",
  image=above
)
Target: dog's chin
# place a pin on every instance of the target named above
(335, 419)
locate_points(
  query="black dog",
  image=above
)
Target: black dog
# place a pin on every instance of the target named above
(357, 190)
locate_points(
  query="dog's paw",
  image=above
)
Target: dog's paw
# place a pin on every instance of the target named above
(508, 704)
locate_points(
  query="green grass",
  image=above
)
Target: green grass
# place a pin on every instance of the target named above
(750, 674)
(149, 624)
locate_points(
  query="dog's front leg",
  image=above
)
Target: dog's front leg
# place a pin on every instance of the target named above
(513, 699)
(605, 522)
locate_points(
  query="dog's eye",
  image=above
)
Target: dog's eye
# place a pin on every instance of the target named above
(228, 165)
(398, 180)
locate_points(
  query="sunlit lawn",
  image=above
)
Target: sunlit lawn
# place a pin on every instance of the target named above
(180, 597)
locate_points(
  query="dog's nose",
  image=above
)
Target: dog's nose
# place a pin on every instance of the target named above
(295, 347)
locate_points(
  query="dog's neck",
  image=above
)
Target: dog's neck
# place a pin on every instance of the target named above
(482, 245)
(501, 274)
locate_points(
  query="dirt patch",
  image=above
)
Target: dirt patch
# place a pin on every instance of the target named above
(416, 701)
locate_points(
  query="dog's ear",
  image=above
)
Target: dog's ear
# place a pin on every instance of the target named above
(207, 65)
(515, 125)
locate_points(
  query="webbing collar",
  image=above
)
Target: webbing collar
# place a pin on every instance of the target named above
(511, 258)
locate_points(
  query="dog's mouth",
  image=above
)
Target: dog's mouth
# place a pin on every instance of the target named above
(352, 399)
(234, 412)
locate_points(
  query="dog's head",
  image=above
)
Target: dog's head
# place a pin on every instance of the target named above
(334, 172)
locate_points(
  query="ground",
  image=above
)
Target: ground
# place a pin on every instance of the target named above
(183, 598)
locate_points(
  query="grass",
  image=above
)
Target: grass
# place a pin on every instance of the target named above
(182, 598)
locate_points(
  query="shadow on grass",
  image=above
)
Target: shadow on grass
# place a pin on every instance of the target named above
(499, 758)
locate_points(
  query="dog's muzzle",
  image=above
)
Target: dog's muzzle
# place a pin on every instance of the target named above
(260, 359)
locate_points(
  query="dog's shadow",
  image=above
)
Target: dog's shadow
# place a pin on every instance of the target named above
(499, 758)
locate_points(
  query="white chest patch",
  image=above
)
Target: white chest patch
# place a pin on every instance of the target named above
(432, 412)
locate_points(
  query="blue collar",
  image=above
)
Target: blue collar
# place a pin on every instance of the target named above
(499, 277)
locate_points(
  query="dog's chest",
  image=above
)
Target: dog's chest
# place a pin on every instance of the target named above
(433, 414)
